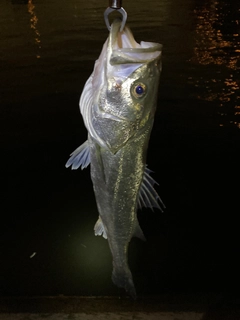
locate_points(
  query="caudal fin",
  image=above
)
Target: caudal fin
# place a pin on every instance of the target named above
(123, 279)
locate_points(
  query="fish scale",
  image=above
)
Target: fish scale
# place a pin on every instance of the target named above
(118, 104)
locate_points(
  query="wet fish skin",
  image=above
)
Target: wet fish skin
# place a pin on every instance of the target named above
(117, 199)
(118, 104)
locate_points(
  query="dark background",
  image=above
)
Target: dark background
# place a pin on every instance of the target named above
(47, 52)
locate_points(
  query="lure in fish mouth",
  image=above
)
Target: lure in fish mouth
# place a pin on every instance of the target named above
(118, 104)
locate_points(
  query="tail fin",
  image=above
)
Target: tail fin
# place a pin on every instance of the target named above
(123, 279)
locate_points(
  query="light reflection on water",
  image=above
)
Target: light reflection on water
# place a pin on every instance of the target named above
(68, 37)
(33, 25)
(47, 52)
(217, 46)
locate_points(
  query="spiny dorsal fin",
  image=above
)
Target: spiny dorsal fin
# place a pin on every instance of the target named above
(148, 196)
(80, 157)
(99, 229)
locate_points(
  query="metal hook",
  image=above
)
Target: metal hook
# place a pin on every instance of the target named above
(115, 5)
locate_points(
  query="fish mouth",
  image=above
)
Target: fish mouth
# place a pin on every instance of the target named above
(125, 49)
(122, 39)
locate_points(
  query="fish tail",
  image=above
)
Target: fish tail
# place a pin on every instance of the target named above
(123, 279)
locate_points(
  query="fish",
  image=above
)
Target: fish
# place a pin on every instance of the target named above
(118, 103)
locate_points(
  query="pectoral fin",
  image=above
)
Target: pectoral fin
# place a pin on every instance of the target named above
(80, 157)
(99, 229)
(148, 196)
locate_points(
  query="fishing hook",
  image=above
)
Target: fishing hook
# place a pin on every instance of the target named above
(115, 5)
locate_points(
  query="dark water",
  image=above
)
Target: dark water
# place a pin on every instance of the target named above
(47, 52)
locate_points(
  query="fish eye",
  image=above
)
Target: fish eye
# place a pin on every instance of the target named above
(139, 90)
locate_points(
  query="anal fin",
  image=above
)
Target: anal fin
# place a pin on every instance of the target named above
(138, 232)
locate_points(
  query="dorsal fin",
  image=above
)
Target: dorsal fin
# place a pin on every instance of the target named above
(148, 196)
(80, 157)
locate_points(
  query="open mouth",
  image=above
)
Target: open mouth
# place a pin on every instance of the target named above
(125, 49)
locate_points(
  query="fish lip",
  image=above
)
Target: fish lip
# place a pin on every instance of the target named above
(155, 47)
(114, 37)
(115, 29)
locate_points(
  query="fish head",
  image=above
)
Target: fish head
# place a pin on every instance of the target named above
(124, 87)
(132, 76)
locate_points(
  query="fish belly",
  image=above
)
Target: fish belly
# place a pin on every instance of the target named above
(116, 181)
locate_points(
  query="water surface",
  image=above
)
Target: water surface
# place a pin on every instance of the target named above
(47, 52)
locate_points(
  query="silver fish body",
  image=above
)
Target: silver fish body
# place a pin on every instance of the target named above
(118, 105)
